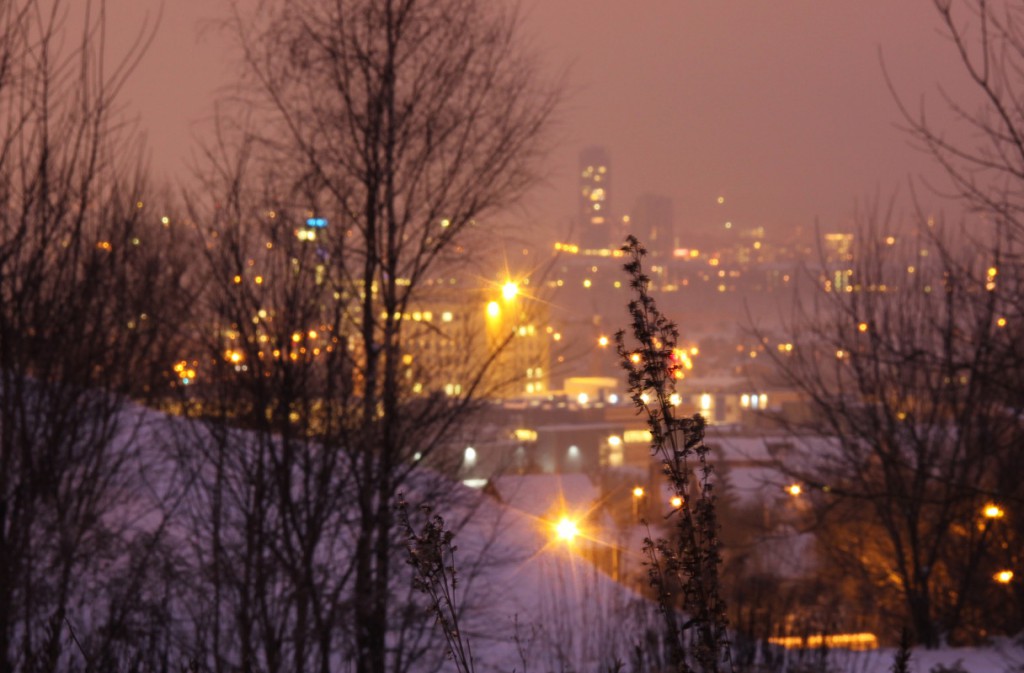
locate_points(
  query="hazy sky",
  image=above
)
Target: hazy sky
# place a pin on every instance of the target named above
(780, 106)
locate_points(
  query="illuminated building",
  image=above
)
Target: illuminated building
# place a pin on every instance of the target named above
(838, 247)
(652, 223)
(449, 340)
(594, 198)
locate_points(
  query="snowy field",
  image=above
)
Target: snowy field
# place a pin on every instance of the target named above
(548, 609)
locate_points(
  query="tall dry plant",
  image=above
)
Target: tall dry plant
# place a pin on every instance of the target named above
(688, 562)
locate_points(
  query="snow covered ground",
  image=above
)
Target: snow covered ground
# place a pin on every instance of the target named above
(1001, 657)
(532, 601)
(544, 607)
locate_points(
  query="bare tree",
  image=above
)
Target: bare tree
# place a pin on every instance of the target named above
(981, 150)
(85, 288)
(270, 498)
(905, 441)
(372, 140)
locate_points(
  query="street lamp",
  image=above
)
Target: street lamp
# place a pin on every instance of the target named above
(509, 291)
(993, 511)
(638, 496)
(566, 530)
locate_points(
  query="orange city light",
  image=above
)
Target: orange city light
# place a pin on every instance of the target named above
(847, 641)
(794, 490)
(1003, 576)
(676, 501)
(638, 492)
(566, 529)
(509, 291)
(993, 511)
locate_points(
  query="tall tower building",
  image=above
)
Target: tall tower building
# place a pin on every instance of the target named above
(652, 222)
(594, 219)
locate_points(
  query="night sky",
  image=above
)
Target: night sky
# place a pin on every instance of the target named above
(779, 106)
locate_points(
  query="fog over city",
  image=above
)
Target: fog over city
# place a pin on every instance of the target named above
(783, 107)
(405, 336)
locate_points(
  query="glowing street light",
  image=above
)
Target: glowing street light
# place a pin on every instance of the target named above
(566, 530)
(509, 291)
(638, 501)
(993, 511)
(602, 341)
(794, 490)
(493, 310)
(676, 501)
(1003, 576)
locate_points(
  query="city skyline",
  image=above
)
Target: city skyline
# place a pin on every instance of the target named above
(782, 110)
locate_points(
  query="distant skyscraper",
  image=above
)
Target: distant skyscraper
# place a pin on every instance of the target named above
(595, 190)
(652, 222)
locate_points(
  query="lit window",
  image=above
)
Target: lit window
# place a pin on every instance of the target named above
(615, 451)
(637, 436)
